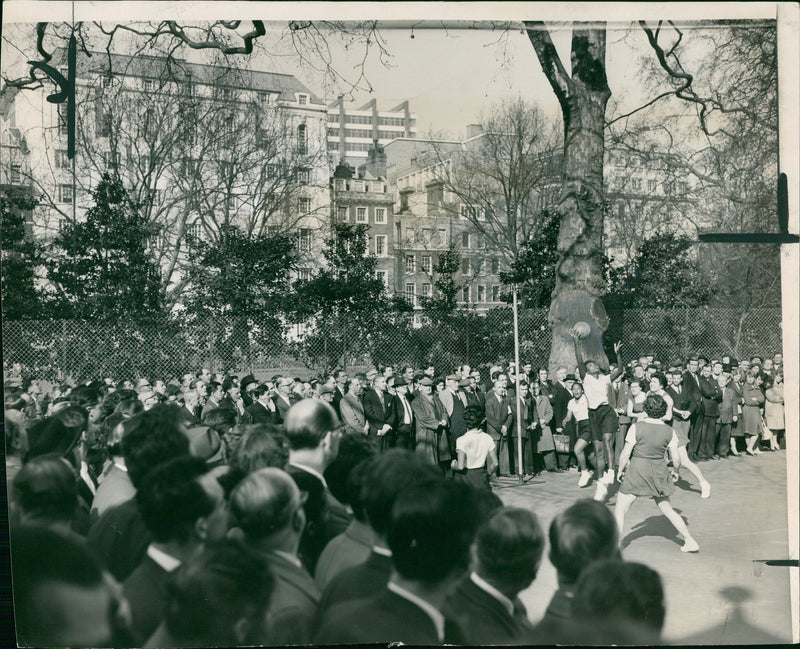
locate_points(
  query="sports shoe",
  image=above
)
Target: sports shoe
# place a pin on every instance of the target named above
(601, 492)
(690, 546)
(705, 489)
(584, 479)
(609, 476)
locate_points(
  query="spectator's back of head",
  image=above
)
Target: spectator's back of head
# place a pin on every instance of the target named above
(61, 599)
(431, 528)
(51, 436)
(260, 446)
(626, 598)
(387, 475)
(153, 437)
(308, 422)
(353, 449)
(220, 419)
(175, 495)
(45, 492)
(85, 396)
(267, 503)
(129, 407)
(219, 598)
(509, 548)
(584, 532)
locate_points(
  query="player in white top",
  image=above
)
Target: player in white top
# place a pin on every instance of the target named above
(578, 409)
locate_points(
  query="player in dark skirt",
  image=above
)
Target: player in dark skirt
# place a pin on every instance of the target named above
(648, 474)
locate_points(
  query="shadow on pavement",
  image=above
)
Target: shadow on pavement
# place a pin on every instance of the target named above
(656, 525)
(736, 629)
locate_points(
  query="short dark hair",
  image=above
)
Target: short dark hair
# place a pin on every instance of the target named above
(621, 593)
(113, 399)
(46, 490)
(260, 446)
(220, 419)
(431, 529)
(50, 435)
(584, 532)
(85, 396)
(474, 416)
(206, 596)
(129, 407)
(660, 376)
(509, 547)
(308, 422)
(655, 406)
(213, 386)
(353, 449)
(229, 382)
(152, 437)
(171, 498)
(387, 475)
(42, 556)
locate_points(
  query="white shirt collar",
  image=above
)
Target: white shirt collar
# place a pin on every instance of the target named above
(313, 472)
(436, 617)
(291, 558)
(491, 590)
(384, 552)
(121, 467)
(166, 561)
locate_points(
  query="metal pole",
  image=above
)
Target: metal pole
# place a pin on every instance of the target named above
(519, 402)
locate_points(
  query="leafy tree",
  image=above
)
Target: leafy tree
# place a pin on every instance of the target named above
(239, 281)
(344, 300)
(443, 302)
(20, 255)
(103, 270)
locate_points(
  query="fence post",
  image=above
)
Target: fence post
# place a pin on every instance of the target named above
(63, 356)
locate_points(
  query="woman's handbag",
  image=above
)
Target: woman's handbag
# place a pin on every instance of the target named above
(561, 442)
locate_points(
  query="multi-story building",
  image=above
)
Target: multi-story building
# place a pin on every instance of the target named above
(351, 133)
(199, 147)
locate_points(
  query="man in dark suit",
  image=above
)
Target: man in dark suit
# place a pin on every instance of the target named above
(339, 389)
(508, 551)
(183, 506)
(386, 475)
(498, 421)
(430, 532)
(560, 395)
(691, 388)
(380, 413)
(285, 398)
(263, 409)
(314, 431)
(268, 508)
(404, 415)
(712, 396)
(119, 538)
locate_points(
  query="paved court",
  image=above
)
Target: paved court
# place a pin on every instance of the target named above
(725, 594)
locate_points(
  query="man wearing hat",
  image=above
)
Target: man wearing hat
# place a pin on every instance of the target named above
(405, 416)
(247, 385)
(431, 422)
(326, 393)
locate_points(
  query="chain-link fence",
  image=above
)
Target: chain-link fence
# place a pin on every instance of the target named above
(58, 350)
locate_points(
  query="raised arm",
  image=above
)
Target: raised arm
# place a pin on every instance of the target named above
(578, 354)
(619, 369)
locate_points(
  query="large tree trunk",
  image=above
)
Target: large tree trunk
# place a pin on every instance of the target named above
(579, 274)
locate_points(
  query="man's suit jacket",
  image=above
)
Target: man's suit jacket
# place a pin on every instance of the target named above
(258, 413)
(427, 414)
(293, 605)
(712, 395)
(349, 549)
(383, 618)
(403, 430)
(692, 389)
(559, 401)
(119, 539)
(208, 407)
(378, 415)
(358, 582)
(680, 400)
(114, 489)
(338, 395)
(497, 414)
(144, 590)
(352, 413)
(483, 619)
(189, 416)
(729, 407)
(283, 405)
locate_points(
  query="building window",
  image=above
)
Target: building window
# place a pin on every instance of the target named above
(15, 174)
(302, 139)
(304, 274)
(442, 236)
(480, 267)
(108, 80)
(65, 193)
(304, 205)
(303, 175)
(380, 245)
(495, 293)
(380, 215)
(383, 275)
(62, 161)
(465, 295)
(340, 184)
(621, 210)
(636, 184)
(410, 238)
(435, 194)
(651, 185)
(465, 240)
(495, 266)
(426, 290)
(304, 240)
(194, 231)
(465, 266)
(411, 293)
(358, 186)
(411, 264)
(62, 119)
(425, 264)
(302, 99)
(150, 85)
(481, 293)
(341, 214)
(361, 215)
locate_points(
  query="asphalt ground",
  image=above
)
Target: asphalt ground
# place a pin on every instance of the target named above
(724, 594)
